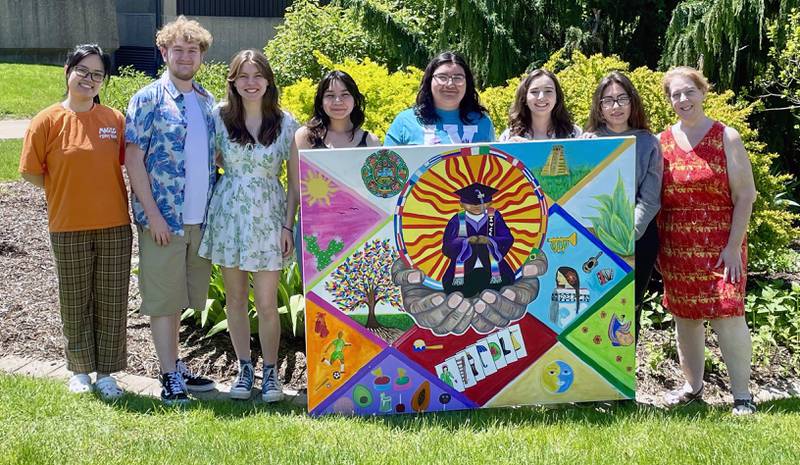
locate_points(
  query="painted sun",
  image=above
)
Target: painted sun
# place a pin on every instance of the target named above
(317, 188)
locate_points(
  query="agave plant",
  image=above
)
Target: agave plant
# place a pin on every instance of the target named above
(614, 223)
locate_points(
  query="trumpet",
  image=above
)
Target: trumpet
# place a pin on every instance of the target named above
(559, 244)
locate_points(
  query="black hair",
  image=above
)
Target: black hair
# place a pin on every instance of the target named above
(425, 109)
(318, 124)
(82, 51)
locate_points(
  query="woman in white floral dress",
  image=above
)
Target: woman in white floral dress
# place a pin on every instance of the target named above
(251, 217)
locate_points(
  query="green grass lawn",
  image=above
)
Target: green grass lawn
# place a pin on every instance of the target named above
(27, 89)
(42, 423)
(9, 159)
(398, 321)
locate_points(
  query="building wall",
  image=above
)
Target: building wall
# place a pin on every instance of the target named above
(234, 34)
(231, 34)
(42, 31)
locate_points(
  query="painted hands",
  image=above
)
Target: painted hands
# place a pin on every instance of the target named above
(478, 240)
(454, 314)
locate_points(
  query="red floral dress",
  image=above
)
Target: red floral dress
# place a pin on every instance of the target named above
(693, 228)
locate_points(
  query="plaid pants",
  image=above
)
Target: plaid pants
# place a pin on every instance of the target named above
(93, 269)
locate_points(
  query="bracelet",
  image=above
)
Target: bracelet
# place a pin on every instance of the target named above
(291, 230)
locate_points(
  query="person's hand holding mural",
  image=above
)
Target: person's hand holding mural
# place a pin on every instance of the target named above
(490, 309)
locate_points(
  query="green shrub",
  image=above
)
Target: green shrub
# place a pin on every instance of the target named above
(120, 88)
(213, 76)
(498, 100)
(332, 30)
(773, 308)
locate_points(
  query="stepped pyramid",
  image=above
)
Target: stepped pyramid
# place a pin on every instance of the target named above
(556, 164)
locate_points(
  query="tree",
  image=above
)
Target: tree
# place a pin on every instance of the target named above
(723, 38)
(632, 29)
(502, 38)
(499, 38)
(405, 29)
(364, 279)
(781, 82)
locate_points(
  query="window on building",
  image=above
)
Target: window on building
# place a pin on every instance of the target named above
(246, 8)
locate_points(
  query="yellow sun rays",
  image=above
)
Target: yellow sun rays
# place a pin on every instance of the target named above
(317, 188)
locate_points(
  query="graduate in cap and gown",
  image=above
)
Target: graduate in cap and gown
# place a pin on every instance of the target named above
(476, 240)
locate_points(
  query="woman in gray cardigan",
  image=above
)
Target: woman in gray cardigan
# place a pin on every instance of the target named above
(617, 111)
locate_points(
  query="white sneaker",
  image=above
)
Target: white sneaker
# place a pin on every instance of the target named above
(80, 384)
(744, 407)
(271, 390)
(108, 388)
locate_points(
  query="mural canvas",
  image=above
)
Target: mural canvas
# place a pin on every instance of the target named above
(454, 277)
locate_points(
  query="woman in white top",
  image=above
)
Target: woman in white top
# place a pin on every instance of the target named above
(538, 111)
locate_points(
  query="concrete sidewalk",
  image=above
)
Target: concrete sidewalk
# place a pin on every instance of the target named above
(134, 384)
(13, 128)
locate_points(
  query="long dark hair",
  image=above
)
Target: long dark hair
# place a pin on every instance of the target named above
(78, 54)
(519, 115)
(232, 112)
(637, 118)
(425, 109)
(318, 124)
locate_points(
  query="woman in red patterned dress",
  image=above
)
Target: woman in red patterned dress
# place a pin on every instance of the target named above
(706, 201)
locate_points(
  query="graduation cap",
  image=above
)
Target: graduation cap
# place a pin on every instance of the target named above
(476, 194)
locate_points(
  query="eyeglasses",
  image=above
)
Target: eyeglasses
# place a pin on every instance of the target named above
(607, 103)
(93, 75)
(445, 79)
(334, 97)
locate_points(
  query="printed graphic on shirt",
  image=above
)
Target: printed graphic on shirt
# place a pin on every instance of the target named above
(108, 133)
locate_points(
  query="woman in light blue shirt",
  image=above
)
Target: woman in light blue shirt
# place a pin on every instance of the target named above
(448, 110)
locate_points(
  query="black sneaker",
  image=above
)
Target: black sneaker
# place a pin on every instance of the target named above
(193, 382)
(173, 391)
(243, 386)
(271, 391)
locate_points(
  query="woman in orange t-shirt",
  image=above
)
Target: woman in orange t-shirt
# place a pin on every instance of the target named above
(74, 150)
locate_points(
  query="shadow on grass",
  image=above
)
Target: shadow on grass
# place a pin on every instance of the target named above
(598, 413)
(224, 409)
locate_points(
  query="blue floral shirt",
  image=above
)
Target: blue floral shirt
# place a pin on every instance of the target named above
(156, 122)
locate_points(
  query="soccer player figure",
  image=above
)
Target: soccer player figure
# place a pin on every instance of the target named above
(338, 346)
(476, 240)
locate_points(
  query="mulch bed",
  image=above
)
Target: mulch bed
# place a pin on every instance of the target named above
(31, 326)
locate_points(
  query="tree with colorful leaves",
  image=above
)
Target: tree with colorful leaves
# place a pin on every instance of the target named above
(364, 279)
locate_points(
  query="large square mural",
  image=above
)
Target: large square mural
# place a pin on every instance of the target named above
(468, 276)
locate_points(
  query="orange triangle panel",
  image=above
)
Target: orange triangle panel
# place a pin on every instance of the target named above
(336, 348)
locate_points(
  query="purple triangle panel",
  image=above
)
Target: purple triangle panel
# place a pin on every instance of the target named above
(391, 384)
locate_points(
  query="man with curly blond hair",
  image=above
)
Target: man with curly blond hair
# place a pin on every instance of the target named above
(170, 162)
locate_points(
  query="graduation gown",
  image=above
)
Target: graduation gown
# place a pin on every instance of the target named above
(456, 248)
